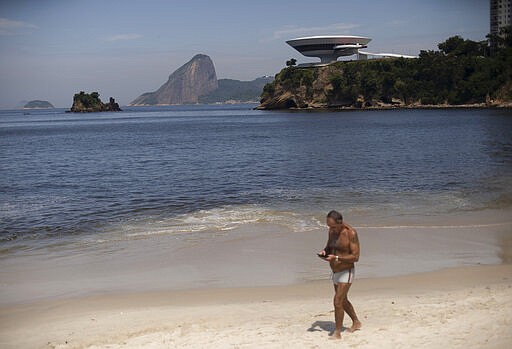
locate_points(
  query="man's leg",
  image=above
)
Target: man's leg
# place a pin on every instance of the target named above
(339, 312)
(349, 309)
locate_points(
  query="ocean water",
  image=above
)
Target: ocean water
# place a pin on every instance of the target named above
(68, 178)
(224, 196)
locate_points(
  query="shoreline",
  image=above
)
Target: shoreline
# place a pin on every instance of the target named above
(144, 258)
(397, 312)
(193, 104)
(499, 106)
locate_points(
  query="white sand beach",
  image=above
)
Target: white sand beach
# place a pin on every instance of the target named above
(464, 307)
(421, 284)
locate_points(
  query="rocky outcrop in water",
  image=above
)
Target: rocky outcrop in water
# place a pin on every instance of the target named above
(195, 78)
(91, 102)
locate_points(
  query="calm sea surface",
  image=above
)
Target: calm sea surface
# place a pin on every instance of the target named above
(185, 170)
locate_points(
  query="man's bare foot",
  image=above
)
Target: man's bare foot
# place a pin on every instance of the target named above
(335, 335)
(355, 326)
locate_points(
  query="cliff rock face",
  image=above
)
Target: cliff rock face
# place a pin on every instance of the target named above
(195, 78)
(302, 88)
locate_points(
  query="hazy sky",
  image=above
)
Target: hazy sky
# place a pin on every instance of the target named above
(51, 49)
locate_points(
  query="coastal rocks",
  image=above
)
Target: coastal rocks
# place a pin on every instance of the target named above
(91, 102)
(299, 88)
(285, 100)
(195, 78)
(38, 104)
(316, 88)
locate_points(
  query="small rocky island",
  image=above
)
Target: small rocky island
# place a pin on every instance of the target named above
(91, 102)
(38, 104)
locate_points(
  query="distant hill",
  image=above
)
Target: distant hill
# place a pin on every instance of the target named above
(37, 104)
(236, 90)
(196, 82)
(193, 79)
(21, 104)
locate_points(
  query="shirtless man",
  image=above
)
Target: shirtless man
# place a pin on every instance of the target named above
(342, 251)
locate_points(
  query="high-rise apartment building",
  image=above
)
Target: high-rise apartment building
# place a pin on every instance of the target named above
(501, 10)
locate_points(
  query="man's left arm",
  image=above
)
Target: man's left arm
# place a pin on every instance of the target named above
(353, 256)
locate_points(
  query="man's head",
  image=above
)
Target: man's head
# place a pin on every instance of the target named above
(334, 218)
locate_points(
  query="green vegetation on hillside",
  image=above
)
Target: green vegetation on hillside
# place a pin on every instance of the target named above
(88, 100)
(236, 90)
(460, 72)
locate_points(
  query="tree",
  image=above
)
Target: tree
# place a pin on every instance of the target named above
(292, 62)
(451, 44)
(457, 46)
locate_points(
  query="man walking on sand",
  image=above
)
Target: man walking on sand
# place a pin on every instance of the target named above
(342, 251)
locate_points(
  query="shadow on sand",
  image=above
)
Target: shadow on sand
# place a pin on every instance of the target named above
(327, 326)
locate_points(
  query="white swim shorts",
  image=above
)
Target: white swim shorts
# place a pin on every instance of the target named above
(345, 276)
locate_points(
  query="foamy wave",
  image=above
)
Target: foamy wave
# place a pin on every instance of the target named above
(228, 218)
(220, 220)
(467, 226)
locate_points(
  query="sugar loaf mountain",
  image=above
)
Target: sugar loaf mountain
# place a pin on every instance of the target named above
(196, 82)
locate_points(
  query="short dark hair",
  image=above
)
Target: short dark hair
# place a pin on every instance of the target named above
(338, 218)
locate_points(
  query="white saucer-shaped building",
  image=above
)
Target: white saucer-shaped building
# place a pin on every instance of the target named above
(329, 48)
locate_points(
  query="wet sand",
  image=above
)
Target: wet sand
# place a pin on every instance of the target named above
(253, 255)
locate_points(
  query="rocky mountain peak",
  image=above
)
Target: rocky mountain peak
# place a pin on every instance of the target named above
(195, 78)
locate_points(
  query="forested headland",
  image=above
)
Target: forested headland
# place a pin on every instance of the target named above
(460, 73)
